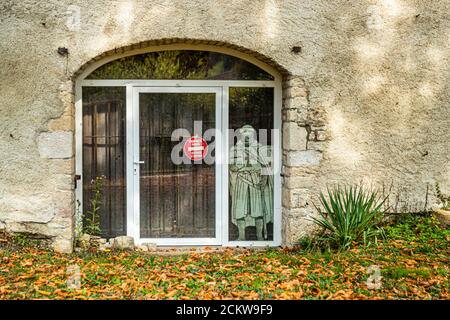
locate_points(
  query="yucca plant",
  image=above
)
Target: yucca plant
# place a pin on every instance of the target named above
(350, 214)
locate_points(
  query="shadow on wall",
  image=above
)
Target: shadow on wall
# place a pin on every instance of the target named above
(388, 125)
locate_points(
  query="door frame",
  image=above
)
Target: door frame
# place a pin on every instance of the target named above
(223, 86)
(133, 168)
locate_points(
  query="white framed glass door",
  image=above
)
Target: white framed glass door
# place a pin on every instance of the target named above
(125, 134)
(176, 181)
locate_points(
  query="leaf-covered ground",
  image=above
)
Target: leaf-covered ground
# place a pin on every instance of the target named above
(414, 264)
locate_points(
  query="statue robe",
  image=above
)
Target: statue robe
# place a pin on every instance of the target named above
(250, 189)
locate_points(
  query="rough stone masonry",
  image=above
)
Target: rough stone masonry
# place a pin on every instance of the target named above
(366, 99)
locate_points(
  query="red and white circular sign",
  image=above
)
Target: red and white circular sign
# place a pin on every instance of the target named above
(195, 148)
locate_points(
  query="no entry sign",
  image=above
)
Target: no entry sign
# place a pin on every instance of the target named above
(195, 148)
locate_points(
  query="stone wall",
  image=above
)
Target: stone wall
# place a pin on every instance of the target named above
(304, 135)
(366, 94)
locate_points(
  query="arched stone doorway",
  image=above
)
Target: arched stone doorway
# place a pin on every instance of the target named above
(128, 108)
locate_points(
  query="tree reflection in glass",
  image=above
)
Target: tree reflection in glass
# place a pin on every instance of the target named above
(180, 64)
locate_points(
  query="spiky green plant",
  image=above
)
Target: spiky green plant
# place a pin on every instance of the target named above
(350, 214)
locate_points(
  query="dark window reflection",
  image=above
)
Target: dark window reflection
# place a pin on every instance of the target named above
(104, 156)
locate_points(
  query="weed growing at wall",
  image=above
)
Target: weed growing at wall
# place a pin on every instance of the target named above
(444, 199)
(92, 216)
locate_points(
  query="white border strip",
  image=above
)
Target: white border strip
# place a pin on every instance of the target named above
(178, 83)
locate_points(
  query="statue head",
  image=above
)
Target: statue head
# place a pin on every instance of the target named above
(247, 134)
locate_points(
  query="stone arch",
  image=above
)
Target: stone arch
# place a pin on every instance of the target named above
(257, 58)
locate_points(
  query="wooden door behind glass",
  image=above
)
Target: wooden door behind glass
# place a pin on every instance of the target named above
(104, 158)
(176, 201)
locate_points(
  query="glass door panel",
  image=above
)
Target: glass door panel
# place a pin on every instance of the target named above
(176, 200)
(104, 159)
(251, 164)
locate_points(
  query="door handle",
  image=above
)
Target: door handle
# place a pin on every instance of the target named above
(139, 162)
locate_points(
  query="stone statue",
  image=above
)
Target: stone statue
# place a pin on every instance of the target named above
(251, 184)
